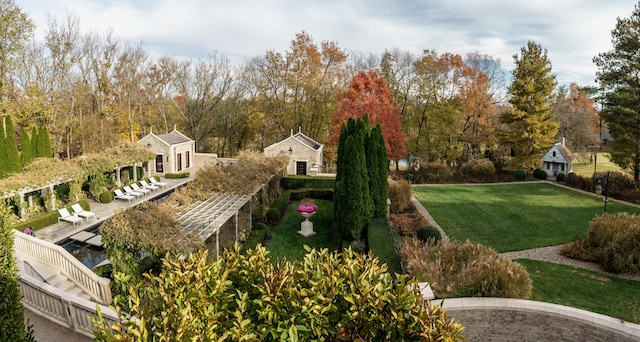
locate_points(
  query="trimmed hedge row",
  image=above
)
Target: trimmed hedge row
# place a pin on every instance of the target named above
(175, 175)
(298, 182)
(47, 219)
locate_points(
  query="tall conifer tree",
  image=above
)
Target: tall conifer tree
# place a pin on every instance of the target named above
(34, 142)
(377, 165)
(11, 148)
(26, 148)
(44, 143)
(3, 155)
(530, 126)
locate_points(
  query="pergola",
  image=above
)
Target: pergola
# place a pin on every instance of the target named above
(205, 219)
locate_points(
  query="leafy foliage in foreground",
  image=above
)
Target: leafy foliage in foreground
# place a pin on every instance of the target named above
(465, 270)
(245, 297)
(613, 241)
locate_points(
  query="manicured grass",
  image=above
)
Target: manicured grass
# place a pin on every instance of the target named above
(574, 287)
(511, 217)
(286, 242)
(381, 245)
(603, 164)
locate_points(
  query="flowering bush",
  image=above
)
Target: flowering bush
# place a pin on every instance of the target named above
(307, 205)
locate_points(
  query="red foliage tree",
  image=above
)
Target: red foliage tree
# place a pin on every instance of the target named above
(368, 94)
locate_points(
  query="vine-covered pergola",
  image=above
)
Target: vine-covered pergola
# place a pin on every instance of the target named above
(44, 174)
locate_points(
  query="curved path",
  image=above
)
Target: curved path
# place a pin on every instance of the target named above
(549, 254)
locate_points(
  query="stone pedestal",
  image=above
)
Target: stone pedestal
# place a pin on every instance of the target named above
(306, 227)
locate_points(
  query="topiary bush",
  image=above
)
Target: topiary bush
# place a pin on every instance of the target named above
(106, 197)
(259, 226)
(429, 233)
(273, 215)
(465, 270)
(519, 175)
(540, 174)
(613, 241)
(560, 177)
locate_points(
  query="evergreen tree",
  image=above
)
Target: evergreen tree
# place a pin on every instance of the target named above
(12, 326)
(377, 165)
(529, 125)
(617, 74)
(26, 148)
(11, 148)
(34, 142)
(44, 143)
(3, 156)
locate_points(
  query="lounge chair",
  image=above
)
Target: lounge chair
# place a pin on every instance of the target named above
(139, 189)
(66, 216)
(122, 196)
(129, 191)
(77, 209)
(149, 186)
(155, 182)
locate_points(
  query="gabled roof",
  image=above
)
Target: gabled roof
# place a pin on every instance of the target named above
(173, 138)
(307, 141)
(564, 151)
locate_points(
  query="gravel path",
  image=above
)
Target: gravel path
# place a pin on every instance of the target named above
(549, 254)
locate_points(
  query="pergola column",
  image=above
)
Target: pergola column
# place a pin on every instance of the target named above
(118, 182)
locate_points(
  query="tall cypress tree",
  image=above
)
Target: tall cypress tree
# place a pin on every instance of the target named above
(44, 143)
(34, 142)
(377, 166)
(26, 148)
(12, 326)
(3, 155)
(11, 148)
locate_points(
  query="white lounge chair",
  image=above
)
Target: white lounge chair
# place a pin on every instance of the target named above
(122, 196)
(129, 191)
(66, 216)
(155, 182)
(77, 209)
(149, 186)
(139, 189)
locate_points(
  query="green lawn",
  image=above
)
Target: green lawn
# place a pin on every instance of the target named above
(586, 168)
(511, 217)
(286, 242)
(574, 287)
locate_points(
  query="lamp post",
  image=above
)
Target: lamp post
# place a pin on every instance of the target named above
(606, 189)
(410, 161)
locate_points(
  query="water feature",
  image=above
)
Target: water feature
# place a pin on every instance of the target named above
(89, 255)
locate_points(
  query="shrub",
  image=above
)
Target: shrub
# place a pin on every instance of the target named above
(540, 174)
(519, 175)
(560, 177)
(427, 233)
(246, 297)
(106, 197)
(359, 246)
(400, 195)
(176, 175)
(465, 270)
(478, 168)
(297, 182)
(408, 224)
(259, 226)
(432, 173)
(381, 244)
(613, 240)
(273, 215)
(281, 202)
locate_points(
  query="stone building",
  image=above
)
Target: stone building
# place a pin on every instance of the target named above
(305, 154)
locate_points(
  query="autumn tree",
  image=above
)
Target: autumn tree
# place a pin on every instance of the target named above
(529, 124)
(15, 30)
(368, 94)
(578, 120)
(617, 74)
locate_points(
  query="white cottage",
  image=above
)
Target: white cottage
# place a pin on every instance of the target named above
(306, 154)
(558, 159)
(174, 152)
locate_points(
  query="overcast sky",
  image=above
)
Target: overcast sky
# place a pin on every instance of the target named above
(573, 31)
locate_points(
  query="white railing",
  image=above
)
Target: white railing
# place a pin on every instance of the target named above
(50, 253)
(61, 308)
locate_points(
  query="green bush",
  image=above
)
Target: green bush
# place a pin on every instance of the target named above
(107, 197)
(560, 177)
(176, 175)
(256, 238)
(465, 270)
(62, 190)
(613, 240)
(282, 201)
(519, 175)
(273, 215)
(259, 226)
(540, 174)
(39, 222)
(298, 182)
(427, 233)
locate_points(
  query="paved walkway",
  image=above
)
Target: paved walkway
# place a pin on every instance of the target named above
(46, 330)
(550, 253)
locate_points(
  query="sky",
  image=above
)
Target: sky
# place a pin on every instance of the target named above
(572, 31)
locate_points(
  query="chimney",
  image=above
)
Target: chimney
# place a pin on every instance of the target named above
(150, 130)
(292, 132)
(174, 127)
(561, 141)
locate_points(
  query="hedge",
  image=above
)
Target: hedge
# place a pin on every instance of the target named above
(175, 175)
(381, 244)
(298, 182)
(47, 219)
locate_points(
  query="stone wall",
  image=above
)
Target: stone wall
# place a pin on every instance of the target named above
(497, 320)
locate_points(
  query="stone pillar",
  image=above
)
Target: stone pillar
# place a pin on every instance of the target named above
(388, 208)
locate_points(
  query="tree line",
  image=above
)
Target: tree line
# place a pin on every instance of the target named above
(91, 90)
